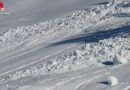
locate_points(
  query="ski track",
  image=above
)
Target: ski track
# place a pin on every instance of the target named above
(85, 79)
(36, 61)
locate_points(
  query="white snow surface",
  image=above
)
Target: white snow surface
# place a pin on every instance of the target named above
(112, 81)
(77, 50)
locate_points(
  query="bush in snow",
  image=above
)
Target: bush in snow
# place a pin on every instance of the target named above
(112, 81)
(119, 60)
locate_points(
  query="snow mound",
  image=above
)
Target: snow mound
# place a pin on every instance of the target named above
(119, 60)
(73, 22)
(112, 81)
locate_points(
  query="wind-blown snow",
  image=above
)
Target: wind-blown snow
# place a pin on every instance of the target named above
(73, 22)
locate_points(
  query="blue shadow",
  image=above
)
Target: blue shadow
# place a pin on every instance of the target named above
(105, 83)
(107, 63)
(102, 3)
(94, 37)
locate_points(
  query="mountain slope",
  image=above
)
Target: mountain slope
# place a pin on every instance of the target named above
(54, 52)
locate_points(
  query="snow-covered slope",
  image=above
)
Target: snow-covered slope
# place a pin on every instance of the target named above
(26, 12)
(76, 21)
(77, 47)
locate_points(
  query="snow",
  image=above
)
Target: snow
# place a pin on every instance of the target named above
(127, 88)
(112, 81)
(78, 50)
(119, 60)
(75, 21)
(90, 54)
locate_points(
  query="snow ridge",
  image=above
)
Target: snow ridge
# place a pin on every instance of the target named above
(75, 21)
(90, 55)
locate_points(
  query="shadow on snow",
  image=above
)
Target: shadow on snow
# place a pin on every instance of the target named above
(107, 63)
(105, 83)
(94, 37)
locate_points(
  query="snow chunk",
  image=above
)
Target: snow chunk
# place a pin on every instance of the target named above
(112, 81)
(119, 60)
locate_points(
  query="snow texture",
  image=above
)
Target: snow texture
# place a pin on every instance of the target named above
(90, 54)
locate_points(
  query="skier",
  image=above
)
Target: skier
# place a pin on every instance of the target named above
(2, 9)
